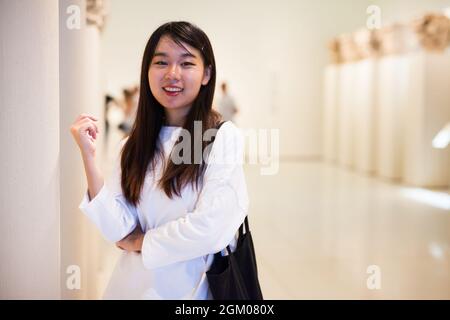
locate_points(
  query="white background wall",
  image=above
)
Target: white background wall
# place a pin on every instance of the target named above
(404, 10)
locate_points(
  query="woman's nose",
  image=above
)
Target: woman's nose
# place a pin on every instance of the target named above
(173, 72)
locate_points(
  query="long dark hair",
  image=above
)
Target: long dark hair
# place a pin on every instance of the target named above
(142, 150)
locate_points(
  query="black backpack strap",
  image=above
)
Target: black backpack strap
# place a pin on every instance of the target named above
(228, 249)
(220, 124)
(241, 228)
(217, 127)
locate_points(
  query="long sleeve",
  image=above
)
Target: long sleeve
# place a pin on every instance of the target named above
(109, 210)
(220, 209)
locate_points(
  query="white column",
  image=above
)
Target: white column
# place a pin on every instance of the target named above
(80, 92)
(29, 136)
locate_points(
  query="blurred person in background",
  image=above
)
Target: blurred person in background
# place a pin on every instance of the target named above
(227, 106)
(130, 103)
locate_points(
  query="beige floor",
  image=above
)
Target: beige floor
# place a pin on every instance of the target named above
(318, 227)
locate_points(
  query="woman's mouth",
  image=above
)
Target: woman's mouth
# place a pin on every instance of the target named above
(172, 91)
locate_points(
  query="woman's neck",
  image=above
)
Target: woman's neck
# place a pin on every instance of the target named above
(175, 118)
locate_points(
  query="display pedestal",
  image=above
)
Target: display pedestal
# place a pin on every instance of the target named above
(345, 106)
(428, 111)
(330, 113)
(364, 115)
(392, 98)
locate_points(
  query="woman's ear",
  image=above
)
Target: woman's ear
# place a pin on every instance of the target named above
(206, 75)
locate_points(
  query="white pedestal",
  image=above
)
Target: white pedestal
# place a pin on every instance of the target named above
(364, 115)
(330, 113)
(392, 97)
(428, 110)
(346, 114)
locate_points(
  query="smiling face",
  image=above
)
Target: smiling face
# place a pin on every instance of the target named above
(176, 75)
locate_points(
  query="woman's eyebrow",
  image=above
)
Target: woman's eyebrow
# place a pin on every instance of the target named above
(184, 55)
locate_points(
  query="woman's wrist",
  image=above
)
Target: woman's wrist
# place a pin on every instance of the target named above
(88, 158)
(94, 177)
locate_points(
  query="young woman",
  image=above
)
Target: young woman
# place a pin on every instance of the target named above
(169, 217)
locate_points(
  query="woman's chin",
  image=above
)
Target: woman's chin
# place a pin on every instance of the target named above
(175, 106)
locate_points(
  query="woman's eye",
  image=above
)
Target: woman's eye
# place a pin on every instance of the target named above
(184, 64)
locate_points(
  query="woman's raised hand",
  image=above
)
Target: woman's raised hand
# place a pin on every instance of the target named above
(84, 130)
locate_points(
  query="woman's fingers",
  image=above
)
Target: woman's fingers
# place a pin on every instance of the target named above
(87, 119)
(90, 122)
(84, 131)
(90, 128)
(88, 125)
(85, 115)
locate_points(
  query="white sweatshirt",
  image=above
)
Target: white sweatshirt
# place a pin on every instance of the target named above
(181, 234)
